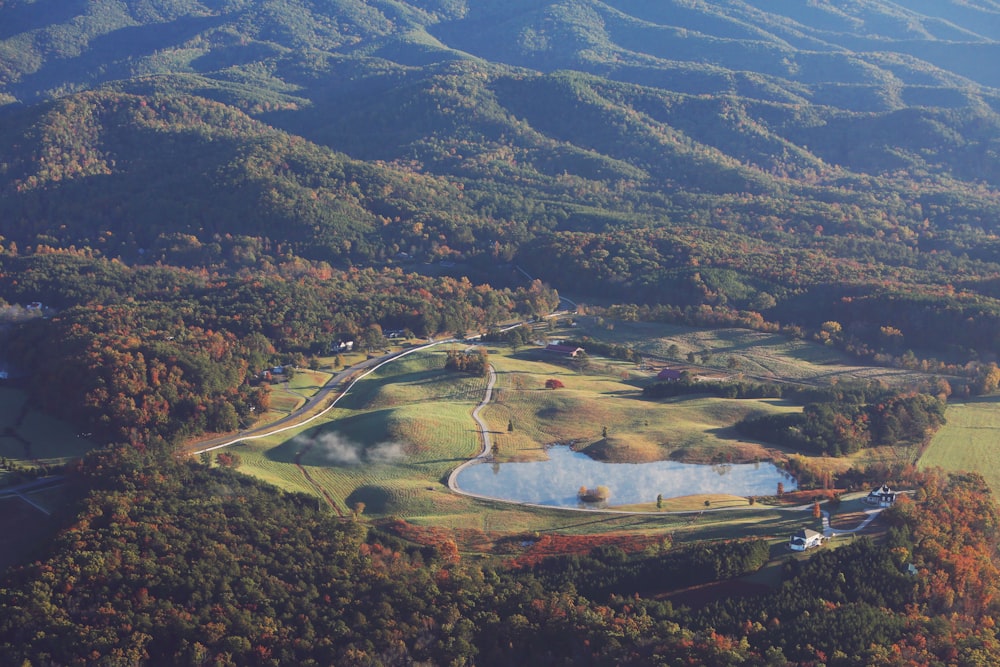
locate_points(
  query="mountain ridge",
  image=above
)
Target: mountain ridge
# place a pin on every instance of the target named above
(390, 133)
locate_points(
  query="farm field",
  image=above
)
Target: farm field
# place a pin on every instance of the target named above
(731, 351)
(969, 440)
(383, 447)
(289, 396)
(22, 530)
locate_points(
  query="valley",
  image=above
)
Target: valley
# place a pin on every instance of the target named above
(261, 263)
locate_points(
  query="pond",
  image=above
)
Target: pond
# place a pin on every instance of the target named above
(557, 481)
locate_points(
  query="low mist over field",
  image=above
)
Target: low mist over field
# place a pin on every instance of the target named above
(339, 450)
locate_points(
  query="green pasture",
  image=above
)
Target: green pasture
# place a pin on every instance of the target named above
(969, 441)
(30, 437)
(382, 445)
(731, 351)
(392, 441)
(693, 427)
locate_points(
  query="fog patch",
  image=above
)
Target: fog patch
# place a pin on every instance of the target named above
(337, 449)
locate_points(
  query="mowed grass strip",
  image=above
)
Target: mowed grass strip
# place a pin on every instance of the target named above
(968, 441)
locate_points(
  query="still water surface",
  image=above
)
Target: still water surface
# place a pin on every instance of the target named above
(555, 482)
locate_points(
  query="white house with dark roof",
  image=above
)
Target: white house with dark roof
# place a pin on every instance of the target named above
(805, 539)
(883, 496)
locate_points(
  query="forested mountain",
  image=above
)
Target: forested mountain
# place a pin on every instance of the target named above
(773, 164)
(196, 190)
(859, 133)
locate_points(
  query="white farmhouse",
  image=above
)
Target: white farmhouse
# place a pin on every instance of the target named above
(805, 539)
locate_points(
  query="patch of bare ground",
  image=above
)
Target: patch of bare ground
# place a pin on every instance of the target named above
(733, 452)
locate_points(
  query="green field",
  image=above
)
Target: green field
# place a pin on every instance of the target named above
(732, 351)
(969, 440)
(29, 437)
(287, 397)
(383, 446)
(392, 441)
(608, 398)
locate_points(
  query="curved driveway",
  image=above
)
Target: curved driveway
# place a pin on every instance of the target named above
(487, 443)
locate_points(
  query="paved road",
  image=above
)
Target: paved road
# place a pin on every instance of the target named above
(829, 531)
(302, 416)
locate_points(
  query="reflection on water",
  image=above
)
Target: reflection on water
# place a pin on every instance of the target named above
(557, 481)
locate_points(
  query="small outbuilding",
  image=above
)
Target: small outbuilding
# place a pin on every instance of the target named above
(805, 539)
(669, 375)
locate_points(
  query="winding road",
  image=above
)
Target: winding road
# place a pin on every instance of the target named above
(351, 376)
(301, 416)
(487, 441)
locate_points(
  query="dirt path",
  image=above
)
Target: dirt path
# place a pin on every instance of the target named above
(316, 487)
(487, 441)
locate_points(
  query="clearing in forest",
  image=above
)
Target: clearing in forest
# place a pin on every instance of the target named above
(968, 441)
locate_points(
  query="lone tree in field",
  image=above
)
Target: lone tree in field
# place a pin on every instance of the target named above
(781, 489)
(510, 425)
(553, 383)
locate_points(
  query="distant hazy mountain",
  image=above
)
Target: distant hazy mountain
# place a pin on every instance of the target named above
(862, 56)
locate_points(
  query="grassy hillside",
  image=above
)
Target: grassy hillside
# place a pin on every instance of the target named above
(382, 445)
(967, 442)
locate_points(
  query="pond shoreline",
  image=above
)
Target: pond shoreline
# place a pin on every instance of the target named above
(563, 479)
